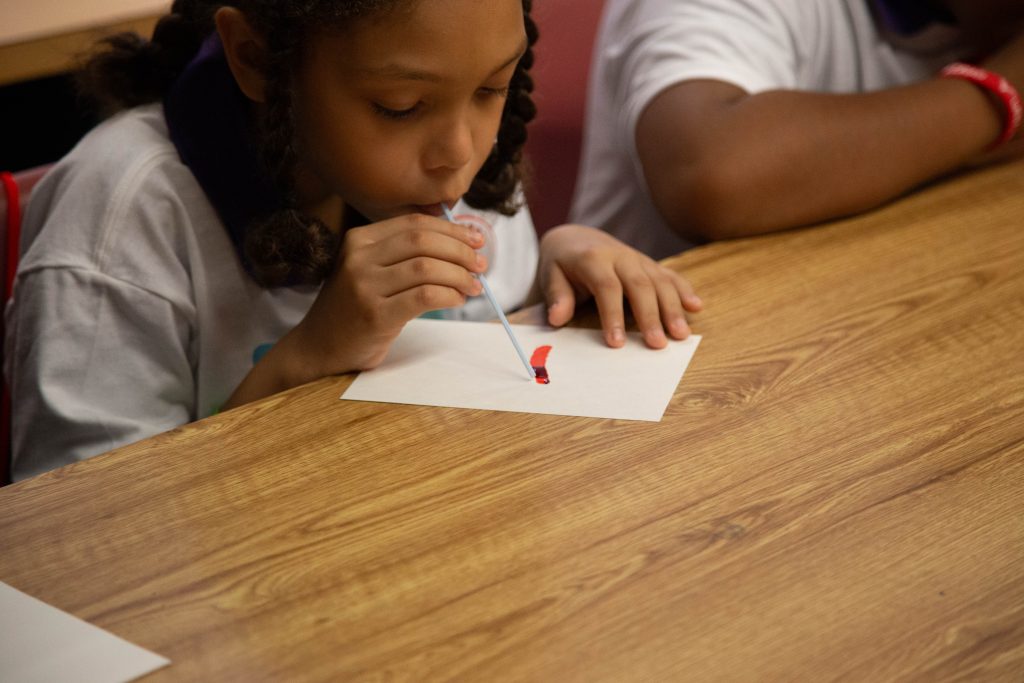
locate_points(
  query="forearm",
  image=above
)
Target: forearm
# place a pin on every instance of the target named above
(284, 366)
(782, 159)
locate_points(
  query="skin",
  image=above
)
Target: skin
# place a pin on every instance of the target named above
(721, 163)
(394, 117)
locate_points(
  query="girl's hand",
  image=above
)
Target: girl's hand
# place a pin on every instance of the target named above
(577, 260)
(387, 274)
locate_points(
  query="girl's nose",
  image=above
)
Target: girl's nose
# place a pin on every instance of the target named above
(451, 147)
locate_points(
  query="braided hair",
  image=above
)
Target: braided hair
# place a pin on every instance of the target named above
(289, 246)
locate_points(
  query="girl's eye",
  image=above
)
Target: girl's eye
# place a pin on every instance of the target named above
(495, 92)
(395, 114)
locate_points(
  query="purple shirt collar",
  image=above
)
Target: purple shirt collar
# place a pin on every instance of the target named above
(211, 124)
(907, 17)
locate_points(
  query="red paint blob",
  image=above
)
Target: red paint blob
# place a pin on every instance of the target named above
(538, 361)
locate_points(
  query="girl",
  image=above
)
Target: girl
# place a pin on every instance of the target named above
(273, 182)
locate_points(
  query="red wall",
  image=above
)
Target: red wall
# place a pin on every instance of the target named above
(567, 31)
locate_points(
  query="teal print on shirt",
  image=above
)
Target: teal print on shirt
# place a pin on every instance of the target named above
(260, 351)
(435, 315)
(257, 356)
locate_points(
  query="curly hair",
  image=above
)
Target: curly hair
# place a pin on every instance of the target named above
(289, 247)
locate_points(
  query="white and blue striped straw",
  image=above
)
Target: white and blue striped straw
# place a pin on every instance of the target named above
(497, 308)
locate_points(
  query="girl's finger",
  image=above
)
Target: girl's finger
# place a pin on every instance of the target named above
(416, 243)
(414, 302)
(599, 278)
(558, 296)
(643, 300)
(375, 232)
(423, 270)
(670, 302)
(691, 302)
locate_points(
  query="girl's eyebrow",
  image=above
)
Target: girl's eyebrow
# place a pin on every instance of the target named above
(520, 51)
(404, 73)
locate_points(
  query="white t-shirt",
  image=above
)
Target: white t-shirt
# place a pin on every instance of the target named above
(132, 313)
(647, 46)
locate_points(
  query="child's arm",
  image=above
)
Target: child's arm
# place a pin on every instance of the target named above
(577, 261)
(723, 164)
(387, 274)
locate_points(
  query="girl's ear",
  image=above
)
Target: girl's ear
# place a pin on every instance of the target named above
(245, 50)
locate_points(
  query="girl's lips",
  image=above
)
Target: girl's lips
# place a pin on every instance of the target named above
(431, 209)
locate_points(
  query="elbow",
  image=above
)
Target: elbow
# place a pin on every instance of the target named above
(708, 202)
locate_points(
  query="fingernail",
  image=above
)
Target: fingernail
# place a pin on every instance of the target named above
(694, 299)
(655, 337)
(679, 326)
(481, 262)
(475, 236)
(618, 335)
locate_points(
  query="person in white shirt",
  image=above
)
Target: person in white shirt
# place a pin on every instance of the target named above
(265, 210)
(712, 119)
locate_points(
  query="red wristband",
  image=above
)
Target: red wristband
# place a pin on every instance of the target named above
(998, 86)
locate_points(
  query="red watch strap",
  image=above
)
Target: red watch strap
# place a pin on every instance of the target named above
(998, 86)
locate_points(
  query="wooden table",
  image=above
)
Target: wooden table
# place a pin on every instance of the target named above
(46, 37)
(836, 493)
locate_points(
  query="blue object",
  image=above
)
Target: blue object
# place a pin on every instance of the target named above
(210, 122)
(497, 308)
(259, 352)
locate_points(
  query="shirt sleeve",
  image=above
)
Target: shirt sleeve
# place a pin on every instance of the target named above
(94, 363)
(654, 44)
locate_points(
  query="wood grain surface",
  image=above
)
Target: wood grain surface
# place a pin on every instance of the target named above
(836, 493)
(52, 53)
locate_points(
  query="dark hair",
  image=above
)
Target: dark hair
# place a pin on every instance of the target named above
(289, 246)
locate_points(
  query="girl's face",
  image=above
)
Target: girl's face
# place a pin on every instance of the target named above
(398, 113)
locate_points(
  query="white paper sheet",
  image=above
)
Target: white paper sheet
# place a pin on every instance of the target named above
(41, 643)
(473, 365)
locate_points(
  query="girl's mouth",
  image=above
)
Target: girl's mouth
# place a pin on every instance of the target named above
(430, 209)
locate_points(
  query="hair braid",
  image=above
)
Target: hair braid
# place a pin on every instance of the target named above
(498, 179)
(129, 70)
(286, 247)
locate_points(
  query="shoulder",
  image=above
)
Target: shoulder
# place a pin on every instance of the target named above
(648, 44)
(130, 150)
(645, 17)
(638, 35)
(121, 203)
